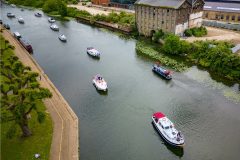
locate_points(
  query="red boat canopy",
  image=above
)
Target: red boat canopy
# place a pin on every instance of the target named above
(158, 115)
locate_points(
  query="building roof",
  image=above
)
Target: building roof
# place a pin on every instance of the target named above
(161, 3)
(222, 7)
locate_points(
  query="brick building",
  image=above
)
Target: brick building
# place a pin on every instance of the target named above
(173, 16)
(222, 10)
(101, 2)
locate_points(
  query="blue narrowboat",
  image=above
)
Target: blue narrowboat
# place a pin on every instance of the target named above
(162, 71)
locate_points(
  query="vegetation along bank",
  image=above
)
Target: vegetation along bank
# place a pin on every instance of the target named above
(26, 128)
(213, 55)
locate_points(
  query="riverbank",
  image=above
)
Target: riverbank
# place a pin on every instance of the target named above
(65, 129)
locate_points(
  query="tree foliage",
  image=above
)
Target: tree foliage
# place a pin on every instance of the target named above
(20, 91)
(159, 34)
(218, 57)
(196, 31)
(173, 45)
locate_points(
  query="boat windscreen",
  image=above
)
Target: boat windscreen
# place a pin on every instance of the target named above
(167, 127)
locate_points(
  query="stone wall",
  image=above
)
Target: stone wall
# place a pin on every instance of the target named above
(150, 19)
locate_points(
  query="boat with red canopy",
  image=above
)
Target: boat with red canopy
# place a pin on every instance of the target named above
(167, 130)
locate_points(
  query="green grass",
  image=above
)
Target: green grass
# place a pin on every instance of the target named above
(19, 148)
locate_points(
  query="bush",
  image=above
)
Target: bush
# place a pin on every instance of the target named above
(188, 32)
(218, 58)
(157, 35)
(196, 31)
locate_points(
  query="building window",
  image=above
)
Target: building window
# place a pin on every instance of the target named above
(238, 18)
(233, 18)
(227, 17)
(162, 22)
(167, 10)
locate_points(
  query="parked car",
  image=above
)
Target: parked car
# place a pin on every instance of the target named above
(7, 26)
(17, 35)
(26, 45)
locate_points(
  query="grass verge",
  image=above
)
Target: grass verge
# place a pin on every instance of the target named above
(20, 148)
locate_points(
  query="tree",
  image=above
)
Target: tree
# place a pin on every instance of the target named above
(172, 44)
(62, 8)
(20, 92)
(50, 5)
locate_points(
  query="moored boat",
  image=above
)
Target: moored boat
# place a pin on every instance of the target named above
(38, 14)
(99, 83)
(51, 20)
(17, 35)
(62, 37)
(167, 130)
(26, 45)
(10, 15)
(162, 71)
(21, 20)
(54, 27)
(93, 52)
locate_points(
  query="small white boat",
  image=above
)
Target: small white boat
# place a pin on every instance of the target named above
(167, 130)
(62, 37)
(99, 83)
(21, 20)
(10, 15)
(54, 27)
(38, 14)
(93, 52)
(51, 20)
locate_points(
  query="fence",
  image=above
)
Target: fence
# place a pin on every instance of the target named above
(224, 25)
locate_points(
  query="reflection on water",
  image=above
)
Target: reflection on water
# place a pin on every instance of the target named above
(204, 78)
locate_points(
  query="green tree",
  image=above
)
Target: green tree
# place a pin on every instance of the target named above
(50, 5)
(172, 44)
(62, 8)
(20, 92)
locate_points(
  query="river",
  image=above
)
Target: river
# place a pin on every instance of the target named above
(117, 125)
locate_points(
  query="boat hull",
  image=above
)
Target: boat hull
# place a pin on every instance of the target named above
(162, 135)
(54, 29)
(161, 74)
(93, 55)
(98, 87)
(63, 40)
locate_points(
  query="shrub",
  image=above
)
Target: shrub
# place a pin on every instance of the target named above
(196, 31)
(188, 32)
(157, 35)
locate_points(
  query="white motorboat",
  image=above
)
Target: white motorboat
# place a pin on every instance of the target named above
(38, 14)
(51, 20)
(93, 52)
(10, 15)
(54, 27)
(167, 130)
(20, 20)
(99, 83)
(62, 37)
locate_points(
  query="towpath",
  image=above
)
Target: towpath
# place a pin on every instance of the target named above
(65, 145)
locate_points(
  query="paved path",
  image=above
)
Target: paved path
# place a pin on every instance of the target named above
(97, 9)
(65, 144)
